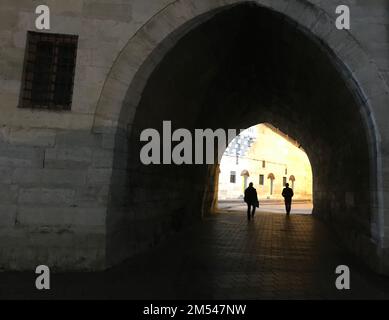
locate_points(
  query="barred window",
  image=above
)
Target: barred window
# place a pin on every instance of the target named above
(49, 67)
(232, 177)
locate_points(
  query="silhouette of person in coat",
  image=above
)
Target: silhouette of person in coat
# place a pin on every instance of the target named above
(251, 198)
(287, 193)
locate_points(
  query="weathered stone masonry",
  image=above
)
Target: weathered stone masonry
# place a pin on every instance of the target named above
(72, 193)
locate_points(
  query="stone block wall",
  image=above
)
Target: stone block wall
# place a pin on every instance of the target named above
(54, 195)
(55, 173)
(69, 195)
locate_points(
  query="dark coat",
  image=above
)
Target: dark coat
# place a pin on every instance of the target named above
(287, 193)
(251, 197)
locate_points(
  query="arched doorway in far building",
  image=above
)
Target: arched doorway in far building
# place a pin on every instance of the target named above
(271, 179)
(245, 174)
(292, 179)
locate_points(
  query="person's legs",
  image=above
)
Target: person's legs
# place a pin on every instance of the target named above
(288, 205)
(248, 211)
(253, 211)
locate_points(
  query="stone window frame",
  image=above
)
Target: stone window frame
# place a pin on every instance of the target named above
(55, 78)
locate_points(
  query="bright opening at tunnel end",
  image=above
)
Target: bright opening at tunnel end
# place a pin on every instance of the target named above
(267, 158)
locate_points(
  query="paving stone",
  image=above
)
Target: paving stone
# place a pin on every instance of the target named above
(224, 257)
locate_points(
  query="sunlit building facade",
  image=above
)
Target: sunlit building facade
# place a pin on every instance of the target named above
(269, 159)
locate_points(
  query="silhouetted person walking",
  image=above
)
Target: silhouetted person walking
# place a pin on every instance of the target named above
(251, 198)
(287, 193)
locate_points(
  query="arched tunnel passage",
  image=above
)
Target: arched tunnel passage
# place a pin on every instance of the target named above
(243, 66)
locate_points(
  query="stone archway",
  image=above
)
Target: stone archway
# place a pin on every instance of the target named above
(139, 63)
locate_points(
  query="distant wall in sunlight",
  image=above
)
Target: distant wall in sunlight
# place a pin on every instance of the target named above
(267, 158)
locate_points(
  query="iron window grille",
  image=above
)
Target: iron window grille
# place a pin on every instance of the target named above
(49, 68)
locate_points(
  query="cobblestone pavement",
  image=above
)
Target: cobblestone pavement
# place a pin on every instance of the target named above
(224, 257)
(301, 207)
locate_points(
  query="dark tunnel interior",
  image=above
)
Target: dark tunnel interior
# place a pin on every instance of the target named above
(246, 65)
